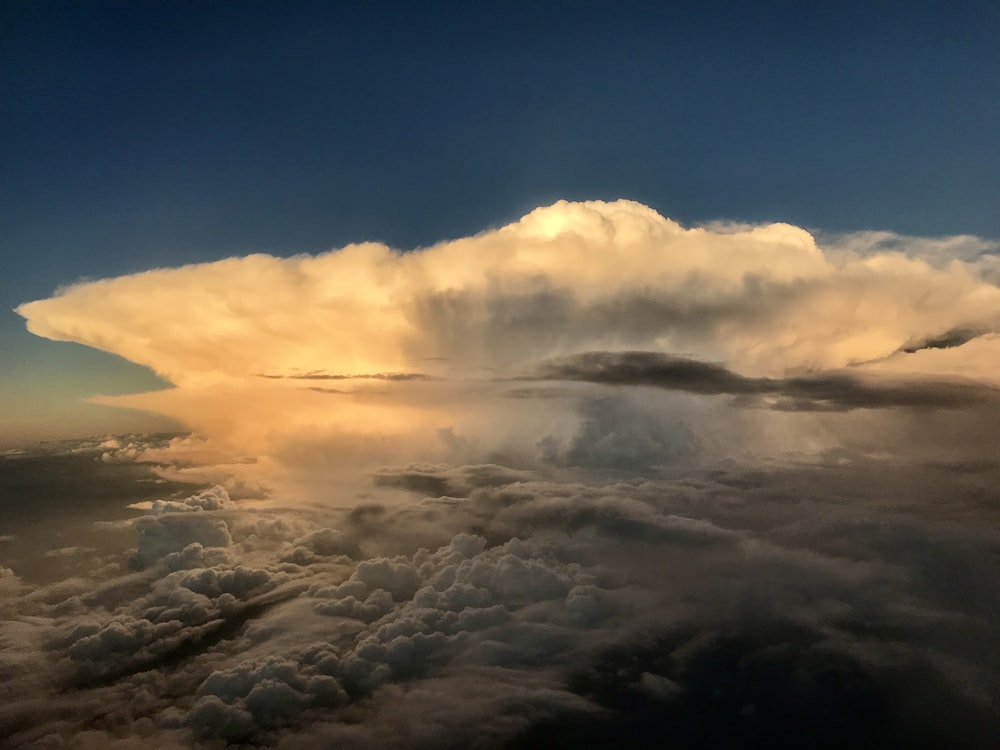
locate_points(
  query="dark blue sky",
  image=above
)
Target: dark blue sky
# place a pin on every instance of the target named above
(141, 134)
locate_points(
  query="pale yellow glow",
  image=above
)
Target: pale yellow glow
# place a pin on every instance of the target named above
(257, 346)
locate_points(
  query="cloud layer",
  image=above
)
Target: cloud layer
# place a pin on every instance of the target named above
(587, 479)
(567, 277)
(482, 606)
(403, 355)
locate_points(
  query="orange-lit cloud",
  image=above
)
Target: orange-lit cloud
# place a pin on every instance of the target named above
(371, 342)
(534, 459)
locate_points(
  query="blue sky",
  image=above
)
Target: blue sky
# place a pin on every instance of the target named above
(139, 135)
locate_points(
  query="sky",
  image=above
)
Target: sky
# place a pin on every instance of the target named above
(382, 375)
(158, 134)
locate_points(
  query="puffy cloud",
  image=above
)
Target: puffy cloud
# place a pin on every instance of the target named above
(418, 613)
(9, 582)
(214, 498)
(185, 532)
(555, 610)
(590, 478)
(414, 341)
(196, 555)
(317, 545)
(160, 536)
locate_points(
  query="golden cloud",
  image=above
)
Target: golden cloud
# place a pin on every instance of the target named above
(373, 341)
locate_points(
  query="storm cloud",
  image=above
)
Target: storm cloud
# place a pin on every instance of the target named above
(589, 479)
(492, 607)
(565, 278)
(416, 345)
(817, 392)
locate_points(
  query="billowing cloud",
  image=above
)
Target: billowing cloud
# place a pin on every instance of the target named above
(502, 608)
(591, 478)
(384, 356)
(568, 277)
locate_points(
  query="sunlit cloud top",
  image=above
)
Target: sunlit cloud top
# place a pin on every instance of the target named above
(570, 277)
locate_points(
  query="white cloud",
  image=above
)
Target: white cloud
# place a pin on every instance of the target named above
(503, 552)
(379, 356)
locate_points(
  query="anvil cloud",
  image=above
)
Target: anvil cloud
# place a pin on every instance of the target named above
(372, 341)
(566, 277)
(590, 479)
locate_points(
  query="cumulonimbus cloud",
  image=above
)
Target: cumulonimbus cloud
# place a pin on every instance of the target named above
(567, 522)
(251, 342)
(569, 277)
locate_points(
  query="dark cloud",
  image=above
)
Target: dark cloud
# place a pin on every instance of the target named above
(836, 391)
(440, 480)
(651, 369)
(947, 340)
(849, 601)
(776, 684)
